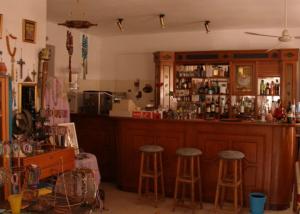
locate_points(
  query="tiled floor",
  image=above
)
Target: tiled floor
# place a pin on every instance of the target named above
(119, 202)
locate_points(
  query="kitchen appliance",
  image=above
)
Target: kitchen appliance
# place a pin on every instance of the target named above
(97, 102)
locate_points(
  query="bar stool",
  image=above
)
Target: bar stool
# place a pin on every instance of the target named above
(230, 178)
(151, 172)
(188, 175)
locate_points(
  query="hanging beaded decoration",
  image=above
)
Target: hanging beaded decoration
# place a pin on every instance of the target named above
(84, 54)
(69, 46)
(12, 54)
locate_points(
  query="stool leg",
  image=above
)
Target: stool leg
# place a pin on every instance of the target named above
(192, 184)
(155, 178)
(161, 175)
(235, 185)
(241, 183)
(176, 181)
(200, 182)
(183, 192)
(223, 176)
(147, 157)
(141, 172)
(218, 183)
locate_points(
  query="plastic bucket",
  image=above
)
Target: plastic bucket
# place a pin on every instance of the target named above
(257, 202)
(15, 202)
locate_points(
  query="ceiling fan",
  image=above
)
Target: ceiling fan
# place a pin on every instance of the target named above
(285, 36)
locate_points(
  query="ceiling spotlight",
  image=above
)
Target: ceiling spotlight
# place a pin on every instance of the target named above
(120, 25)
(162, 20)
(206, 25)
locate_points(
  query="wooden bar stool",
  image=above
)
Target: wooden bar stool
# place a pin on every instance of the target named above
(188, 174)
(230, 176)
(151, 171)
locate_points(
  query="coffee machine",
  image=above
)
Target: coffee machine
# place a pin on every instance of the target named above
(97, 102)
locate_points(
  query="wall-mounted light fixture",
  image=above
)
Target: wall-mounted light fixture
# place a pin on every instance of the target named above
(120, 24)
(206, 25)
(162, 21)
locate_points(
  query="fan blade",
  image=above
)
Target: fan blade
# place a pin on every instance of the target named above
(258, 34)
(297, 37)
(274, 47)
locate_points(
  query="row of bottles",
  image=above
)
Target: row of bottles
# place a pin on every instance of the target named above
(202, 71)
(210, 87)
(269, 88)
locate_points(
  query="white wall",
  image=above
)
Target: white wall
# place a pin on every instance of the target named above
(122, 59)
(14, 11)
(56, 35)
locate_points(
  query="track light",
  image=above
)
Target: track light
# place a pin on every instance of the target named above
(120, 25)
(206, 25)
(162, 21)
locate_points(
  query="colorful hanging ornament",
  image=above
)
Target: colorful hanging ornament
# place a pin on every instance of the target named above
(84, 54)
(69, 46)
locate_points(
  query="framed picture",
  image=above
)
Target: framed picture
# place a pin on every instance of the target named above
(1, 25)
(244, 75)
(71, 137)
(29, 31)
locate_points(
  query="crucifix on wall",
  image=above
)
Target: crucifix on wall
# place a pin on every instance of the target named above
(21, 63)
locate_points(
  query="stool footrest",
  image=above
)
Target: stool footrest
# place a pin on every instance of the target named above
(230, 184)
(186, 180)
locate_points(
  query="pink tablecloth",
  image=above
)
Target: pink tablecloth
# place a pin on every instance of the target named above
(90, 161)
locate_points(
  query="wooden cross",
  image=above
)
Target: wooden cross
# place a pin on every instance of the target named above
(33, 73)
(21, 62)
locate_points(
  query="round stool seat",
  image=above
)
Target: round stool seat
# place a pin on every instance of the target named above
(231, 155)
(188, 152)
(151, 148)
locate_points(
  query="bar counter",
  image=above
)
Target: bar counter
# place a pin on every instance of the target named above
(268, 167)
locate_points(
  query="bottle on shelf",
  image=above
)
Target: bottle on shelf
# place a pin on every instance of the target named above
(262, 87)
(272, 88)
(267, 91)
(277, 87)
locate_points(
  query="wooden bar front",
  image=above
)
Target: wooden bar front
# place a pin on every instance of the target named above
(269, 149)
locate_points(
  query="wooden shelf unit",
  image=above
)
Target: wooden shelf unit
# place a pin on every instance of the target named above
(281, 63)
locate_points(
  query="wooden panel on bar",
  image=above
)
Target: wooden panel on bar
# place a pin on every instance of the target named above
(269, 149)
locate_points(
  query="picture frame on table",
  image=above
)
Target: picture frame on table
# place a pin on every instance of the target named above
(29, 31)
(70, 136)
(1, 25)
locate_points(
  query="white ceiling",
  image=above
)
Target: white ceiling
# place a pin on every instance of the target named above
(141, 16)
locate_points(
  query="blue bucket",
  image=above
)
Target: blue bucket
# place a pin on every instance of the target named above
(257, 202)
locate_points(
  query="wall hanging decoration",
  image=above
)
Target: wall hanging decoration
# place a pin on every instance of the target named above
(29, 31)
(84, 54)
(21, 63)
(42, 73)
(12, 54)
(69, 46)
(33, 73)
(1, 25)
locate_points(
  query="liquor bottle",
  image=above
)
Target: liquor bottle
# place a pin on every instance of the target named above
(289, 114)
(242, 107)
(262, 87)
(213, 106)
(272, 88)
(277, 87)
(210, 90)
(267, 89)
